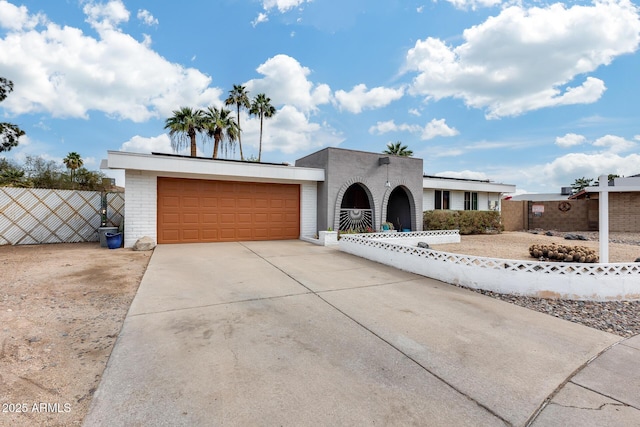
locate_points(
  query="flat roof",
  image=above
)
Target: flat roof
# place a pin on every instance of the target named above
(173, 165)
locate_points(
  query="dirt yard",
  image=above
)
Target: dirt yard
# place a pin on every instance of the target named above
(515, 245)
(61, 309)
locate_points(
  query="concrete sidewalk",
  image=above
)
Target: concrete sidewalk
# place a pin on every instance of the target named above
(288, 333)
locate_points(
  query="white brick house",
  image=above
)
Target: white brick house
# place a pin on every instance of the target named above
(174, 199)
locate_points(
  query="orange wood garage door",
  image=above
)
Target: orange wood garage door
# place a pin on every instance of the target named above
(191, 210)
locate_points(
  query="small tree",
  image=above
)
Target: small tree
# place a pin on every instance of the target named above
(44, 173)
(580, 184)
(9, 133)
(13, 177)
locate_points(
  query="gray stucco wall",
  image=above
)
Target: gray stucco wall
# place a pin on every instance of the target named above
(346, 167)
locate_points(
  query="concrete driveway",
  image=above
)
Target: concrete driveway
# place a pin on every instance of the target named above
(288, 333)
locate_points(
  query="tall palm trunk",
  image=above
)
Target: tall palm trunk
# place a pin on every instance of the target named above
(260, 148)
(216, 143)
(239, 133)
(192, 135)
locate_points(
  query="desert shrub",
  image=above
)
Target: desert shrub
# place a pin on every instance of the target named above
(468, 222)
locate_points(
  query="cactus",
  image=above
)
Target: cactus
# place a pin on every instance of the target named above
(563, 253)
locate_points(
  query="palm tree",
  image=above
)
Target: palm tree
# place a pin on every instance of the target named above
(220, 125)
(238, 96)
(73, 161)
(261, 106)
(397, 149)
(183, 127)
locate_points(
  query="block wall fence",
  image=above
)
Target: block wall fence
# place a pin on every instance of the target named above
(582, 215)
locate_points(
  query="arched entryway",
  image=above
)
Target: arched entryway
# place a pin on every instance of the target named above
(399, 209)
(356, 213)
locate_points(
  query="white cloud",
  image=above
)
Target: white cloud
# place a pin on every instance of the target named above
(564, 170)
(146, 17)
(359, 98)
(525, 59)
(18, 18)
(474, 4)
(262, 17)
(446, 152)
(286, 82)
(431, 130)
(282, 5)
(141, 144)
(391, 126)
(570, 140)
(614, 144)
(61, 71)
(437, 128)
(414, 112)
(289, 131)
(105, 16)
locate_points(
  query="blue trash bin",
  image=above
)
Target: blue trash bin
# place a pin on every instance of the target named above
(114, 240)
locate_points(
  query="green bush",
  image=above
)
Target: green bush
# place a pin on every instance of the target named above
(468, 222)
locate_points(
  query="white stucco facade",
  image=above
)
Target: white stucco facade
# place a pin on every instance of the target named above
(488, 193)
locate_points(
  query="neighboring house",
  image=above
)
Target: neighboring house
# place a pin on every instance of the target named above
(174, 199)
(578, 212)
(462, 194)
(624, 202)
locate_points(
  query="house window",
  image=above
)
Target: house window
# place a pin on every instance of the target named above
(470, 201)
(442, 199)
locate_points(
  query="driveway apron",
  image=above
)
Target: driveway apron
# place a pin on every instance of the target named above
(289, 333)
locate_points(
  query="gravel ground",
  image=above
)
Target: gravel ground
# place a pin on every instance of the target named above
(617, 317)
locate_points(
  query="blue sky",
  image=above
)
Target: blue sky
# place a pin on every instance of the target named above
(534, 94)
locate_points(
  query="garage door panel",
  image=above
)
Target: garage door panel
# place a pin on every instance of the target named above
(276, 217)
(209, 202)
(190, 202)
(260, 203)
(192, 234)
(244, 218)
(190, 218)
(170, 235)
(209, 218)
(244, 233)
(227, 202)
(227, 219)
(200, 210)
(210, 235)
(261, 233)
(172, 218)
(171, 201)
(260, 218)
(244, 203)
